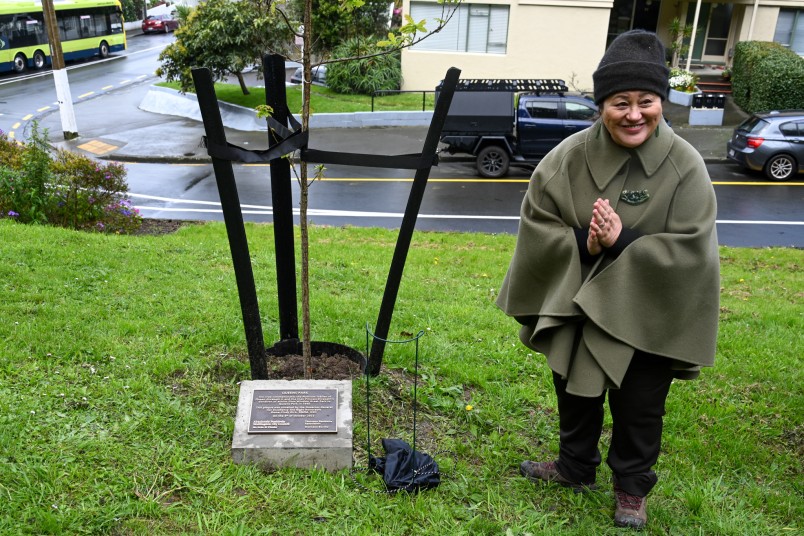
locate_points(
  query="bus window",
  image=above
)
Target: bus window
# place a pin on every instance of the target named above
(87, 26)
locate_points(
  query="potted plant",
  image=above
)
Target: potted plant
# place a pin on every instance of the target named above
(683, 85)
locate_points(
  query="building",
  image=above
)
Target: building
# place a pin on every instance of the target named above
(566, 38)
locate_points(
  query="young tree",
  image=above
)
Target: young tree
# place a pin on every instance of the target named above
(211, 40)
(410, 33)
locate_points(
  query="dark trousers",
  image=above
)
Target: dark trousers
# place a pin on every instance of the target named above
(637, 409)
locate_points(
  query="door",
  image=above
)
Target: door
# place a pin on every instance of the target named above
(712, 36)
(539, 127)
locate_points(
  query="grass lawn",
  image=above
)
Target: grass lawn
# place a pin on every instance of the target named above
(121, 359)
(323, 100)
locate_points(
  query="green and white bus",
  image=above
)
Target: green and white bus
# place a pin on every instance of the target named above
(87, 28)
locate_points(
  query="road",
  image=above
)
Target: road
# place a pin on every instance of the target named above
(34, 92)
(751, 211)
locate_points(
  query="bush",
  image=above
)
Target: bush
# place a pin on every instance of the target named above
(366, 75)
(69, 190)
(766, 76)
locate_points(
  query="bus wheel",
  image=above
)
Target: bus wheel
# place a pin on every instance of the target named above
(103, 51)
(39, 59)
(20, 63)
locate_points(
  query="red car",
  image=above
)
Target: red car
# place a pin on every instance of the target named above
(159, 23)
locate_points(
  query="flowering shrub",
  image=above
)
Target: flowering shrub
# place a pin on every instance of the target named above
(69, 190)
(682, 80)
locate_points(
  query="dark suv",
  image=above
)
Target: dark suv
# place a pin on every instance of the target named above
(510, 122)
(771, 142)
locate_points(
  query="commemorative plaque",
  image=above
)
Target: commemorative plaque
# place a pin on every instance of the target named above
(284, 411)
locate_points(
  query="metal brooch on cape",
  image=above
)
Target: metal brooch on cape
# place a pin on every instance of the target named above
(634, 197)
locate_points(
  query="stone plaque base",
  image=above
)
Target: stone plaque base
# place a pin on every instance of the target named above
(329, 451)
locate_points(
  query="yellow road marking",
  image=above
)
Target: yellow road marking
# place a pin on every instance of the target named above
(43, 108)
(27, 117)
(15, 126)
(106, 87)
(86, 95)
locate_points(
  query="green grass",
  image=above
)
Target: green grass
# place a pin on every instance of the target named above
(323, 100)
(121, 357)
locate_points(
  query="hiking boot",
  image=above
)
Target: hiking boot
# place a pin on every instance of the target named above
(547, 472)
(630, 510)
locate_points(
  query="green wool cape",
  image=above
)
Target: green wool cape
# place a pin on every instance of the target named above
(660, 295)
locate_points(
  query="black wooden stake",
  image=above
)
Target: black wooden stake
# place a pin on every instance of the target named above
(409, 223)
(276, 98)
(233, 217)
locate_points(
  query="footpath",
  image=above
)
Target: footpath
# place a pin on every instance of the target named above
(142, 123)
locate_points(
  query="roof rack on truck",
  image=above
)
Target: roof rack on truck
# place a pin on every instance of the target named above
(515, 85)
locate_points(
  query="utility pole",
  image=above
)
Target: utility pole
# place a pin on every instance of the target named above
(63, 96)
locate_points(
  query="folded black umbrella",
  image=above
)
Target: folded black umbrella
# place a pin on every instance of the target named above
(405, 469)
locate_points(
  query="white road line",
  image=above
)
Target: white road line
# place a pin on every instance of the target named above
(266, 210)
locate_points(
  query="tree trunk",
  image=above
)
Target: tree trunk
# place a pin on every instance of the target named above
(243, 86)
(304, 188)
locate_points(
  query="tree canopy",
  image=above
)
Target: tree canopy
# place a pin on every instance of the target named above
(225, 37)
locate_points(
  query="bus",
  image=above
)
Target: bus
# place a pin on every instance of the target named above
(87, 28)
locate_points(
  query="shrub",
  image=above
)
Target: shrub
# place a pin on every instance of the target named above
(69, 190)
(366, 75)
(23, 188)
(766, 76)
(88, 195)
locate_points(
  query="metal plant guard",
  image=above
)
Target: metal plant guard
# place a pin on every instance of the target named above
(284, 140)
(403, 468)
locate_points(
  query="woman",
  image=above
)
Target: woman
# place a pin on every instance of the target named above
(615, 276)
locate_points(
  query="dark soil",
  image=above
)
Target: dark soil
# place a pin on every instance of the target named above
(325, 367)
(155, 227)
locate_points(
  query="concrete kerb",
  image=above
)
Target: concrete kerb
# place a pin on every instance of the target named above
(167, 101)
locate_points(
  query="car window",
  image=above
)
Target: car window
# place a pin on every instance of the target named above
(788, 129)
(753, 125)
(543, 109)
(579, 112)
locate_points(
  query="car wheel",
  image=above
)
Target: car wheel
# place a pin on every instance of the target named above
(39, 59)
(492, 162)
(781, 167)
(20, 63)
(103, 50)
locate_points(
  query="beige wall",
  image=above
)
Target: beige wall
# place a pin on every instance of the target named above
(564, 39)
(544, 41)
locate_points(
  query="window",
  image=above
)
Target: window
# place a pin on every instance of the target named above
(792, 129)
(790, 30)
(579, 112)
(543, 109)
(473, 28)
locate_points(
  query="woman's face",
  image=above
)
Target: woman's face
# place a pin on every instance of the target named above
(631, 116)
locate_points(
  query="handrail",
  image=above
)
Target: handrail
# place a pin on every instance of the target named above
(424, 93)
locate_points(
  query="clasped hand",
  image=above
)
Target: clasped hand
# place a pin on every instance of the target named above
(605, 227)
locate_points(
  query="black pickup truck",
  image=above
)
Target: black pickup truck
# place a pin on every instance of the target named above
(512, 121)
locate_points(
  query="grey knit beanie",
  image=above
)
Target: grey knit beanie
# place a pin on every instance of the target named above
(634, 60)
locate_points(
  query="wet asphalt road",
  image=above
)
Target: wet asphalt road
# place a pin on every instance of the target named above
(752, 212)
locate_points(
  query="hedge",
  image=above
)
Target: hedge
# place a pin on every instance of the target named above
(767, 76)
